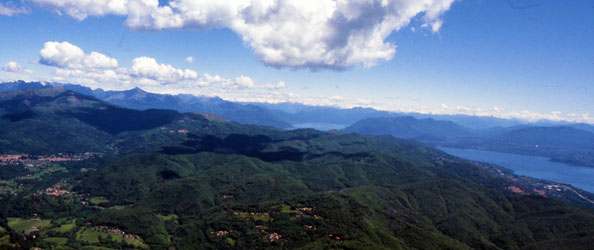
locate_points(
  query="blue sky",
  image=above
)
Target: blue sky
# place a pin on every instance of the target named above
(516, 58)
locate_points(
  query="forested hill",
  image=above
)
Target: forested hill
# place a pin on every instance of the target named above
(192, 181)
(54, 120)
(561, 143)
(410, 128)
(139, 99)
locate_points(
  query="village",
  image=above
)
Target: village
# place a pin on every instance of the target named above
(523, 185)
(35, 227)
(55, 191)
(40, 160)
(117, 231)
(261, 221)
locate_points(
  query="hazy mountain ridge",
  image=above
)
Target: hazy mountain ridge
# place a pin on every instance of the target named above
(562, 143)
(440, 131)
(408, 127)
(139, 99)
(565, 144)
(281, 115)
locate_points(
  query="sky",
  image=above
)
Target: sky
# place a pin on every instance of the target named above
(529, 59)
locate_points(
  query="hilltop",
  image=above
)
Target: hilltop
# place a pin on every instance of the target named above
(408, 127)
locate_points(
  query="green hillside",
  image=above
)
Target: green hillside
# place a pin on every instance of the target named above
(48, 121)
(191, 181)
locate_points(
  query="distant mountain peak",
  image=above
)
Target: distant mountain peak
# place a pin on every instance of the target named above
(136, 90)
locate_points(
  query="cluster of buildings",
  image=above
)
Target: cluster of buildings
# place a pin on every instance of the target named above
(179, 131)
(305, 209)
(55, 191)
(335, 237)
(132, 236)
(117, 231)
(221, 233)
(274, 237)
(36, 160)
(555, 187)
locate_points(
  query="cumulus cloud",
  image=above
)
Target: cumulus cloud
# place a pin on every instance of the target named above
(314, 34)
(67, 55)
(98, 60)
(14, 67)
(189, 59)
(100, 71)
(82, 9)
(244, 82)
(499, 112)
(8, 9)
(146, 67)
(278, 85)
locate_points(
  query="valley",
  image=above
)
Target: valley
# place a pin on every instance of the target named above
(189, 180)
(283, 124)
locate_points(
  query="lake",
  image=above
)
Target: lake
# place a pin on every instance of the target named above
(532, 166)
(319, 126)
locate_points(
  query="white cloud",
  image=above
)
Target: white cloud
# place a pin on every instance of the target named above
(99, 71)
(151, 75)
(67, 55)
(189, 59)
(314, 34)
(14, 67)
(98, 60)
(207, 79)
(244, 82)
(63, 55)
(81, 9)
(9, 9)
(499, 112)
(278, 85)
(146, 67)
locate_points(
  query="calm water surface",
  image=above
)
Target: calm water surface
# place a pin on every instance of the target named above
(532, 166)
(319, 126)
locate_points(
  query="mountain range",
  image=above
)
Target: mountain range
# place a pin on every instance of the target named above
(281, 115)
(191, 180)
(564, 141)
(568, 143)
(139, 99)
(408, 127)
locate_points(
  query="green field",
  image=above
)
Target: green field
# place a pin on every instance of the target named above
(255, 216)
(65, 228)
(136, 243)
(21, 225)
(95, 248)
(98, 200)
(5, 240)
(286, 209)
(91, 236)
(57, 240)
(168, 217)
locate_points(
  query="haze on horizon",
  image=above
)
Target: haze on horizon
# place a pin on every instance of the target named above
(523, 59)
